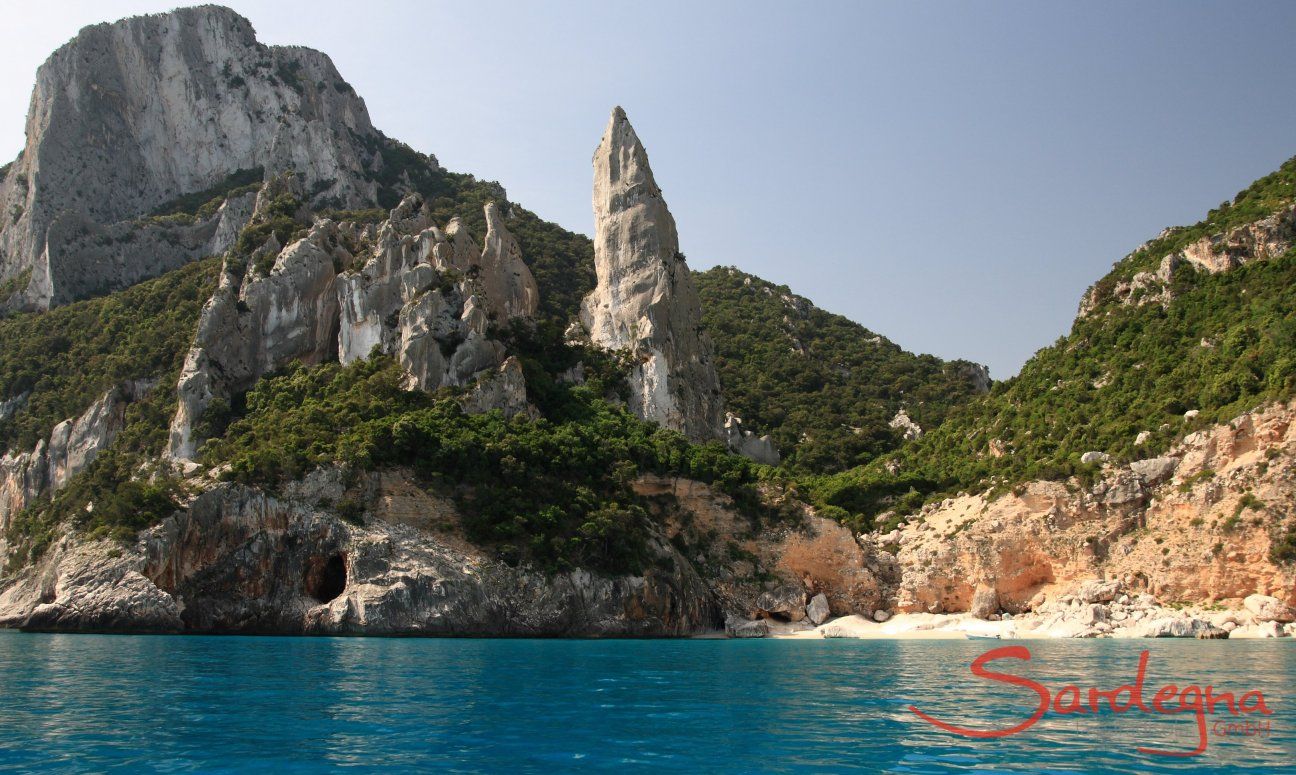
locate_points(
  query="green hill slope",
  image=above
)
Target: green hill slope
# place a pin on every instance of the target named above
(825, 387)
(1149, 348)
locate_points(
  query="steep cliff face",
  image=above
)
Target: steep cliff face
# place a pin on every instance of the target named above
(425, 295)
(429, 296)
(1206, 523)
(257, 322)
(72, 445)
(238, 560)
(130, 115)
(645, 302)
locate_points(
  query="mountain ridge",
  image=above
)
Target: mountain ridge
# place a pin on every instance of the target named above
(379, 425)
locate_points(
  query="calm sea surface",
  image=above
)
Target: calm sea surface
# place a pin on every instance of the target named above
(73, 703)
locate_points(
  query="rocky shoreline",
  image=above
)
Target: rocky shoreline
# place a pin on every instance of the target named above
(1096, 609)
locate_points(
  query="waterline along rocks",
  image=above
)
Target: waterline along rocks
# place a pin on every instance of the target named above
(394, 402)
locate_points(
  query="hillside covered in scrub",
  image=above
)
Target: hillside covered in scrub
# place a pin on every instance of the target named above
(309, 381)
(1190, 329)
(826, 388)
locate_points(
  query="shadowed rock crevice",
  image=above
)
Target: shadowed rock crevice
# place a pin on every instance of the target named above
(326, 577)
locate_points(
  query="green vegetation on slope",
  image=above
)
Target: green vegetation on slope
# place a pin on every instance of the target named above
(1226, 344)
(822, 385)
(68, 357)
(205, 203)
(120, 493)
(1255, 202)
(554, 492)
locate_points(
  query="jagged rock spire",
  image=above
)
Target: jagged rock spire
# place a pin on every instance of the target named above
(645, 301)
(507, 283)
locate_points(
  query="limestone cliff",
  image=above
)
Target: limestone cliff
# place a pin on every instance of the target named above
(1264, 238)
(645, 301)
(255, 322)
(240, 560)
(130, 115)
(430, 296)
(1204, 523)
(425, 295)
(72, 445)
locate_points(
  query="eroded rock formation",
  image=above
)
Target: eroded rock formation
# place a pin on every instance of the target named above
(645, 302)
(1197, 524)
(430, 296)
(1259, 240)
(746, 443)
(72, 445)
(258, 321)
(239, 560)
(426, 296)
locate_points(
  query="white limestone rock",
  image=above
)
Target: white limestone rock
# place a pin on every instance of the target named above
(1154, 470)
(430, 296)
(507, 286)
(418, 296)
(1180, 626)
(251, 327)
(985, 602)
(645, 301)
(235, 559)
(128, 116)
(1266, 608)
(760, 449)
(786, 602)
(503, 389)
(72, 445)
(907, 427)
(746, 628)
(818, 610)
(1096, 591)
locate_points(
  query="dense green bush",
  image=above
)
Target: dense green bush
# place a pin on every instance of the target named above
(1126, 370)
(555, 492)
(68, 357)
(822, 385)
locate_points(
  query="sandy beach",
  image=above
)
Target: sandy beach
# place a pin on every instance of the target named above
(925, 626)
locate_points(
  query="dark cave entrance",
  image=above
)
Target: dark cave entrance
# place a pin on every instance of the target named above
(326, 577)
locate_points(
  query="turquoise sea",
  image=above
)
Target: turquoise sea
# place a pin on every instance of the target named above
(99, 703)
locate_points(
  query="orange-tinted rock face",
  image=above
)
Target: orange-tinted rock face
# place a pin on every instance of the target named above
(1203, 535)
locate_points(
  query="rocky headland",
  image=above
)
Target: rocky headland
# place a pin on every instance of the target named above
(156, 141)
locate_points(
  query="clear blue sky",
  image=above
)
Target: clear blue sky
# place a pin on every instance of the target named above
(951, 175)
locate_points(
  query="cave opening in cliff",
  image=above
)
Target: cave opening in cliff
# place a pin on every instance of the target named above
(326, 577)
